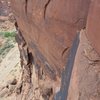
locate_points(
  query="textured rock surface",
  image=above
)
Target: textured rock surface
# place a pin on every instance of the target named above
(6, 16)
(85, 80)
(46, 30)
(93, 24)
(49, 29)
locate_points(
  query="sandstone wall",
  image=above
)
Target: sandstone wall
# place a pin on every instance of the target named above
(46, 31)
(49, 28)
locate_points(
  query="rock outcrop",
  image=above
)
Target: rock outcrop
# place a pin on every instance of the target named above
(46, 30)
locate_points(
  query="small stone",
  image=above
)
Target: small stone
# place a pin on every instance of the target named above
(12, 82)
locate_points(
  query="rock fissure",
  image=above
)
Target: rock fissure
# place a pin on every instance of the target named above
(45, 8)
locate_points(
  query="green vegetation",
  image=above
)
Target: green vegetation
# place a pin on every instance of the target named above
(7, 34)
(5, 48)
(9, 38)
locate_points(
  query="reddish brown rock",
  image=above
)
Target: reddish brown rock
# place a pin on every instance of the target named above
(46, 30)
(84, 84)
(49, 28)
(93, 24)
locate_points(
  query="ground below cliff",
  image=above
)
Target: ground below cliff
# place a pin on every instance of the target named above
(9, 53)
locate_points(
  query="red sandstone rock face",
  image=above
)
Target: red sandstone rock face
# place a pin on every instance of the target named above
(84, 83)
(48, 28)
(93, 24)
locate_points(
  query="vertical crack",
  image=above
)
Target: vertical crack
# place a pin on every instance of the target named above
(65, 50)
(45, 8)
(26, 2)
